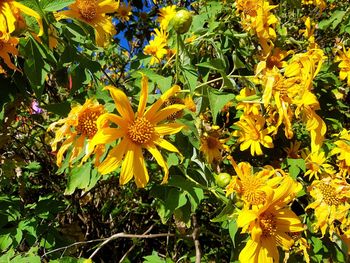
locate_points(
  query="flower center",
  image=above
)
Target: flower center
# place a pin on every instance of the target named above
(213, 143)
(87, 9)
(329, 194)
(141, 130)
(251, 192)
(87, 122)
(268, 224)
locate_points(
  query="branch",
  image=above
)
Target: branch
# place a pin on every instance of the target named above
(195, 235)
(106, 240)
(134, 245)
(123, 235)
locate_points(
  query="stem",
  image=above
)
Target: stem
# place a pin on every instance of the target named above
(177, 57)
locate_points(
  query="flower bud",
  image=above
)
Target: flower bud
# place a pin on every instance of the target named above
(182, 21)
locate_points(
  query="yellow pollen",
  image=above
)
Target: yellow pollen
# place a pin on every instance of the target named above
(87, 9)
(329, 194)
(87, 123)
(141, 130)
(251, 192)
(268, 224)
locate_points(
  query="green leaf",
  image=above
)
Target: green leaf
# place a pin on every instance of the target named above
(333, 21)
(164, 83)
(54, 5)
(170, 200)
(217, 101)
(225, 213)
(233, 228)
(35, 67)
(295, 166)
(5, 241)
(191, 77)
(194, 194)
(154, 258)
(317, 244)
(79, 178)
(215, 64)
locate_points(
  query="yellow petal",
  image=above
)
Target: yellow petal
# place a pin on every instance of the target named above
(151, 111)
(114, 158)
(143, 96)
(169, 128)
(104, 118)
(245, 217)
(140, 170)
(268, 252)
(127, 171)
(32, 13)
(122, 103)
(166, 145)
(10, 19)
(160, 160)
(166, 112)
(284, 240)
(66, 144)
(108, 6)
(250, 252)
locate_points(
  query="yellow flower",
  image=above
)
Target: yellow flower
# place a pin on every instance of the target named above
(309, 30)
(321, 4)
(344, 65)
(251, 134)
(331, 203)
(93, 12)
(246, 102)
(8, 47)
(78, 127)
(141, 130)
(316, 165)
(124, 12)
(342, 150)
(165, 15)
(155, 48)
(253, 188)
(10, 16)
(269, 226)
(212, 147)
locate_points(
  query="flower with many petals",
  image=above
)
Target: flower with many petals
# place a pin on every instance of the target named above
(331, 203)
(344, 65)
(165, 15)
(136, 131)
(10, 16)
(124, 12)
(77, 129)
(93, 13)
(252, 134)
(269, 225)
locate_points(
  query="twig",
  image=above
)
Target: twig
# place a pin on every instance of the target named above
(195, 235)
(134, 245)
(123, 235)
(72, 245)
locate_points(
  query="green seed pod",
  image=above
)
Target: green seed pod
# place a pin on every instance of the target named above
(182, 21)
(222, 179)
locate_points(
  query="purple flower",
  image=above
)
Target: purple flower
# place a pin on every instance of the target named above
(35, 109)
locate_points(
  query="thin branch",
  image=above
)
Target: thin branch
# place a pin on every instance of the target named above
(195, 235)
(134, 245)
(106, 240)
(123, 235)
